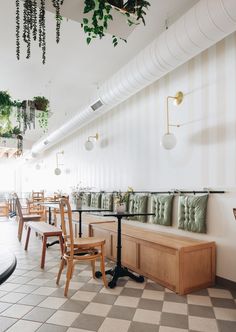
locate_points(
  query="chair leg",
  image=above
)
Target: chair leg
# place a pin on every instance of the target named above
(20, 229)
(68, 275)
(27, 238)
(61, 244)
(43, 251)
(102, 258)
(93, 268)
(62, 265)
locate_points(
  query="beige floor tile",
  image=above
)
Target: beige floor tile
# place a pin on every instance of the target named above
(171, 329)
(220, 293)
(8, 287)
(24, 325)
(38, 282)
(127, 301)
(113, 291)
(176, 308)
(13, 297)
(114, 325)
(202, 324)
(73, 329)
(44, 291)
(134, 284)
(52, 302)
(147, 316)
(153, 295)
(75, 285)
(199, 300)
(64, 318)
(225, 314)
(17, 311)
(97, 309)
(84, 296)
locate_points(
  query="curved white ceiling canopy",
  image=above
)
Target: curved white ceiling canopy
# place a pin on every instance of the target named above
(203, 25)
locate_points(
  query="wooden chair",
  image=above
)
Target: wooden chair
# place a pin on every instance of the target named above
(78, 249)
(23, 217)
(37, 196)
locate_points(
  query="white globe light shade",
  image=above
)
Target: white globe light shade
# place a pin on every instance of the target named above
(88, 145)
(57, 171)
(168, 141)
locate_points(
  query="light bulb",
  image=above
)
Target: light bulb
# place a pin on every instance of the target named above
(88, 145)
(168, 141)
(57, 171)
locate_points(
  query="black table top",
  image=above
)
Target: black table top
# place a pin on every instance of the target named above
(125, 214)
(88, 209)
(7, 264)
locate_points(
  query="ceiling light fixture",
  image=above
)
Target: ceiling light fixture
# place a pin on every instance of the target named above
(169, 140)
(89, 145)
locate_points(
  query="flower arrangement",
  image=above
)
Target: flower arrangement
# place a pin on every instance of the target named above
(78, 191)
(123, 197)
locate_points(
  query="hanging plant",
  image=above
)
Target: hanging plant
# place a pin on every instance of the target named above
(34, 25)
(97, 26)
(25, 113)
(42, 105)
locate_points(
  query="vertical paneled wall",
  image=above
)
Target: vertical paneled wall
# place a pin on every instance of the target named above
(128, 152)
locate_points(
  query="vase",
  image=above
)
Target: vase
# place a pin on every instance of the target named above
(120, 208)
(79, 203)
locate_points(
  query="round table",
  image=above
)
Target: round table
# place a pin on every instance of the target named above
(7, 264)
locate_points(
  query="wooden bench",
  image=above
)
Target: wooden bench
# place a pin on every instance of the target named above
(46, 231)
(179, 263)
(4, 209)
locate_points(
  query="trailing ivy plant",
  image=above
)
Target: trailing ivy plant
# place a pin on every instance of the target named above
(42, 105)
(101, 16)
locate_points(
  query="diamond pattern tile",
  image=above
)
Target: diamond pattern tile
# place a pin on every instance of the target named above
(31, 301)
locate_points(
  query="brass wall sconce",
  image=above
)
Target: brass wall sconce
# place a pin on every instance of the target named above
(57, 170)
(89, 145)
(169, 140)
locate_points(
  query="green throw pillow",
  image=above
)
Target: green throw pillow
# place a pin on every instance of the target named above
(95, 200)
(161, 205)
(107, 201)
(192, 213)
(86, 199)
(138, 204)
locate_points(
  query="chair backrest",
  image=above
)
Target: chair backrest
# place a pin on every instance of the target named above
(18, 205)
(66, 223)
(37, 195)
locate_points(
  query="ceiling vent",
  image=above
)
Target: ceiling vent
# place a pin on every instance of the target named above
(97, 105)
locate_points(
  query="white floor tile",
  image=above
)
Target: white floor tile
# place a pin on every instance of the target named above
(147, 316)
(64, 318)
(114, 325)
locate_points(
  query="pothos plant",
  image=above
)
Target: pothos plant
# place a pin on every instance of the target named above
(42, 104)
(101, 11)
(24, 113)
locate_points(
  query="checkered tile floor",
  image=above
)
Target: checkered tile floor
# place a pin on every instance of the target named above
(31, 301)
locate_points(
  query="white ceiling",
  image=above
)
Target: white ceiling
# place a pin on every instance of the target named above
(73, 69)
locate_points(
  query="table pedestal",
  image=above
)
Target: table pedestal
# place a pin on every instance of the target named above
(119, 271)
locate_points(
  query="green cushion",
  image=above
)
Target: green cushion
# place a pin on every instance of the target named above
(86, 199)
(138, 204)
(161, 205)
(107, 201)
(95, 200)
(192, 213)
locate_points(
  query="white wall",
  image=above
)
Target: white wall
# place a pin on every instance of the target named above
(129, 154)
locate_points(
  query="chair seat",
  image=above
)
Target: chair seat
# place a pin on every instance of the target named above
(87, 242)
(31, 216)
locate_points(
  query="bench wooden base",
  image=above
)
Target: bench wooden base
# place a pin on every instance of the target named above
(46, 231)
(179, 263)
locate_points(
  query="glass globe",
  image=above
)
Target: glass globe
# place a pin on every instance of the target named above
(57, 171)
(88, 145)
(168, 141)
